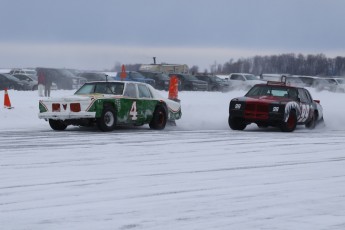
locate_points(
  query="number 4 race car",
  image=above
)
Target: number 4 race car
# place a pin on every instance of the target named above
(275, 104)
(111, 103)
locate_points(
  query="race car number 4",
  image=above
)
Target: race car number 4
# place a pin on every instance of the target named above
(133, 111)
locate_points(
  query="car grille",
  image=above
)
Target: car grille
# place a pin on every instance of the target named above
(256, 110)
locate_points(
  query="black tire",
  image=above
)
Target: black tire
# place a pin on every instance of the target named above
(107, 121)
(57, 125)
(312, 123)
(159, 118)
(291, 123)
(236, 123)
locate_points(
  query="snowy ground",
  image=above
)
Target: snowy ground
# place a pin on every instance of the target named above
(198, 175)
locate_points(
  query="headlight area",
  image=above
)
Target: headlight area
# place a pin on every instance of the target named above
(276, 111)
(276, 108)
(236, 105)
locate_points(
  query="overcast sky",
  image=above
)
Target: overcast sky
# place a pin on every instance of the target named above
(95, 34)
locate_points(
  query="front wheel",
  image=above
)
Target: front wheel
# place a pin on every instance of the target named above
(159, 118)
(107, 121)
(290, 124)
(57, 125)
(236, 123)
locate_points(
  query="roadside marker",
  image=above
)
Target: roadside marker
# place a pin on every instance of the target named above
(7, 102)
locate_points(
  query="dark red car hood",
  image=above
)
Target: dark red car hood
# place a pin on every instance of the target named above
(264, 99)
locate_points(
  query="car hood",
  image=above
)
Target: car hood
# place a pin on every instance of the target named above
(264, 99)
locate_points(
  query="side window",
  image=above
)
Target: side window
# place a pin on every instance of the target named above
(237, 77)
(130, 90)
(144, 92)
(310, 99)
(302, 96)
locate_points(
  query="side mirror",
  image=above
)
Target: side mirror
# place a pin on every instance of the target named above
(317, 101)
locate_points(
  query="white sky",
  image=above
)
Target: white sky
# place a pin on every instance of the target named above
(90, 34)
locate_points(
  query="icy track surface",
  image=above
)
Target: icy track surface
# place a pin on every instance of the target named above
(198, 175)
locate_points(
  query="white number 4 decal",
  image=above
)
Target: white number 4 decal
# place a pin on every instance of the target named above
(133, 111)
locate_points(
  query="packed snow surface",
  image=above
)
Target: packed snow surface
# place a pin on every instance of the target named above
(197, 175)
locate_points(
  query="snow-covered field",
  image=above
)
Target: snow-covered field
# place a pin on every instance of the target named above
(198, 175)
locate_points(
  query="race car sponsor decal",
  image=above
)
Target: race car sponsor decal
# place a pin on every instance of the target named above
(289, 106)
(305, 108)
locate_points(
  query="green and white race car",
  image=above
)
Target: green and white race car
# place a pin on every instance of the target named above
(108, 104)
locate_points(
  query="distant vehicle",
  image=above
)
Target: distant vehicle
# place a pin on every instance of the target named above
(61, 77)
(161, 79)
(28, 82)
(7, 81)
(214, 83)
(92, 76)
(341, 84)
(190, 82)
(135, 76)
(275, 104)
(29, 72)
(321, 84)
(243, 81)
(165, 68)
(109, 104)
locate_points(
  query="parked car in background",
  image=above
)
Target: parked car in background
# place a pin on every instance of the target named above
(7, 81)
(190, 82)
(321, 84)
(214, 83)
(61, 77)
(162, 80)
(341, 84)
(243, 81)
(135, 76)
(28, 72)
(29, 82)
(93, 76)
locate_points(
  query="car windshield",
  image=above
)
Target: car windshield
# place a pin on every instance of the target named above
(9, 76)
(276, 91)
(136, 75)
(115, 88)
(218, 79)
(191, 77)
(341, 81)
(250, 77)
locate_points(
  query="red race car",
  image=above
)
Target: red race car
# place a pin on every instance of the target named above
(275, 104)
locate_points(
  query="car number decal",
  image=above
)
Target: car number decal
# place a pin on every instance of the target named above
(304, 112)
(133, 112)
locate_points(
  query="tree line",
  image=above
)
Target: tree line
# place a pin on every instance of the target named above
(310, 65)
(296, 64)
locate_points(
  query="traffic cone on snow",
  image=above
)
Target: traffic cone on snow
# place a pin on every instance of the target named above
(173, 88)
(7, 102)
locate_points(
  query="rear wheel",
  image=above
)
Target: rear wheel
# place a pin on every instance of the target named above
(107, 121)
(57, 125)
(236, 123)
(311, 124)
(159, 118)
(290, 124)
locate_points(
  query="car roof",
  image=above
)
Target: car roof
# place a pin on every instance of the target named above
(279, 84)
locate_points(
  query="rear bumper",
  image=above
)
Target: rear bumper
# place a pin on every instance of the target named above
(66, 115)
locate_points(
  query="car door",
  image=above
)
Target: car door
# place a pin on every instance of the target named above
(127, 112)
(305, 105)
(146, 104)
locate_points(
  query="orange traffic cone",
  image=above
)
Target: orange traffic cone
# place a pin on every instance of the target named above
(173, 88)
(7, 102)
